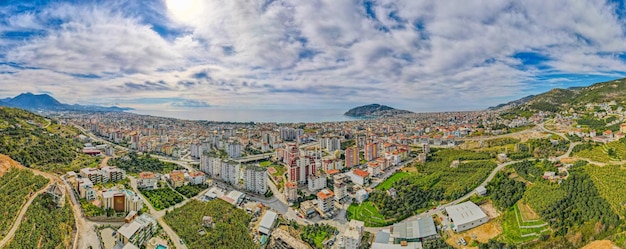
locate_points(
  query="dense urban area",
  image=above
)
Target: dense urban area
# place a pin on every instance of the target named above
(546, 173)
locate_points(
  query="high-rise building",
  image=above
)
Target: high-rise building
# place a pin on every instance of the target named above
(255, 179)
(330, 143)
(234, 150)
(291, 191)
(211, 165)
(371, 151)
(352, 157)
(351, 237)
(230, 172)
(326, 200)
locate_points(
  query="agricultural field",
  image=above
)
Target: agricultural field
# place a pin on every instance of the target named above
(162, 198)
(610, 181)
(134, 163)
(391, 180)
(367, 213)
(605, 153)
(230, 230)
(542, 195)
(45, 225)
(516, 230)
(15, 187)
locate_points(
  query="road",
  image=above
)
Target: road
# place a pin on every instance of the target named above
(159, 214)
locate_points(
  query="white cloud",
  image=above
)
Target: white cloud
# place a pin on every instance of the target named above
(422, 55)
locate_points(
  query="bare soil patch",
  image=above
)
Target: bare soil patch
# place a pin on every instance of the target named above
(600, 244)
(527, 212)
(482, 233)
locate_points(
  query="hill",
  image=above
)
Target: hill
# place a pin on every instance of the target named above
(559, 99)
(374, 110)
(37, 142)
(45, 102)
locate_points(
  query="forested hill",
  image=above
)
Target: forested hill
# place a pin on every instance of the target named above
(374, 110)
(40, 143)
(575, 97)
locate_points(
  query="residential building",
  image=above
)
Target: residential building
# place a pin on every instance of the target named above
(138, 231)
(112, 173)
(352, 157)
(299, 169)
(330, 143)
(466, 215)
(622, 128)
(85, 189)
(92, 174)
(316, 182)
(373, 168)
(176, 179)
(234, 150)
(255, 179)
(360, 177)
(326, 200)
(210, 165)
(351, 237)
(361, 195)
(121, 201)
(291, 191)
(147, 180)
(341, 191)
(196, 178)
(230, 172)
(371, 151)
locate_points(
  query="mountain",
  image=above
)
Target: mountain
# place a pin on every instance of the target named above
(45, 102)
(374, 110)
(574, 97)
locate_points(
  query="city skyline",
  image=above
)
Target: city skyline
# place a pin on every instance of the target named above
(313, 55)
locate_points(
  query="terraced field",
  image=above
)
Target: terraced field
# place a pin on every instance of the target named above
(16, 185)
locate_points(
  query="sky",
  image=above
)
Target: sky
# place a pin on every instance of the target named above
(313, 54)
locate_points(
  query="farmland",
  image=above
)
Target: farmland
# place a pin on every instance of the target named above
(610, 181)
(517, 230)
(15, 187)
(391, 180)
(45, 225)
(162, 198)
(230, 231)
(367, 213)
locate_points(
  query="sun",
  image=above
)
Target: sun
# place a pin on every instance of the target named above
(183, 10)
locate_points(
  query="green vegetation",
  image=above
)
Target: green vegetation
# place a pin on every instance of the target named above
(541, 196)
(265, 163)
(367, 213)
(610, 181)
(90, 209)
(162, 198)
(612, 151)
(532, 170)
(516, 230)
(15, 187)
(494, 244)
(347, 144)
(391, 180)
(436, 244)
(544, 148)
(133, 163)
(314, 235)
(505, 191)
(501, 141)
(409, 198)
(191, 190)
(230, 231)
(45, 225)
(25, 139)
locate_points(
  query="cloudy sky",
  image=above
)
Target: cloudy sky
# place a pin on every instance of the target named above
(313, 54)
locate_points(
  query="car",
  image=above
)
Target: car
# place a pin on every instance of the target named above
(181, 241)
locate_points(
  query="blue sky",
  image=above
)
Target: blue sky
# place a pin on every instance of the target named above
(416, 55)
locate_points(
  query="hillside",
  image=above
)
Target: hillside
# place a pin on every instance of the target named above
(6, 163)
(576, 97)
(37, 142)
(374, 110)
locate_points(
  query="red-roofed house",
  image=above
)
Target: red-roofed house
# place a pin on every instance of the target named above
(360, 177)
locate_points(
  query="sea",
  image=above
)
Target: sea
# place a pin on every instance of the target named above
(251, 115)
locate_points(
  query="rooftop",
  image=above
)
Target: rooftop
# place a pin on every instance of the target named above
(420, 228)
(325, 194)
(361, 173)
(465, 212)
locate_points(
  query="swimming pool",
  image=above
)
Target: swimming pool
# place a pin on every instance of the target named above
(159, 246)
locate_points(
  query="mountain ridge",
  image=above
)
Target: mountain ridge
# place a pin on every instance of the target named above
(45, 102)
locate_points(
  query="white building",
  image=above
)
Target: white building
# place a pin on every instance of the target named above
(414, 230)
(234, 150)
(147, 180)
(230, 172)
(361, 195)
(351, 237)
(138, 231)
(121, 201)
(210, 165)
(326, 200)
(316, 182)
(113, 174)
(85, 189)
(466, 215)
(267, 222)
(341, 191)
(196, 178)
(330, 143)
(255, 179)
